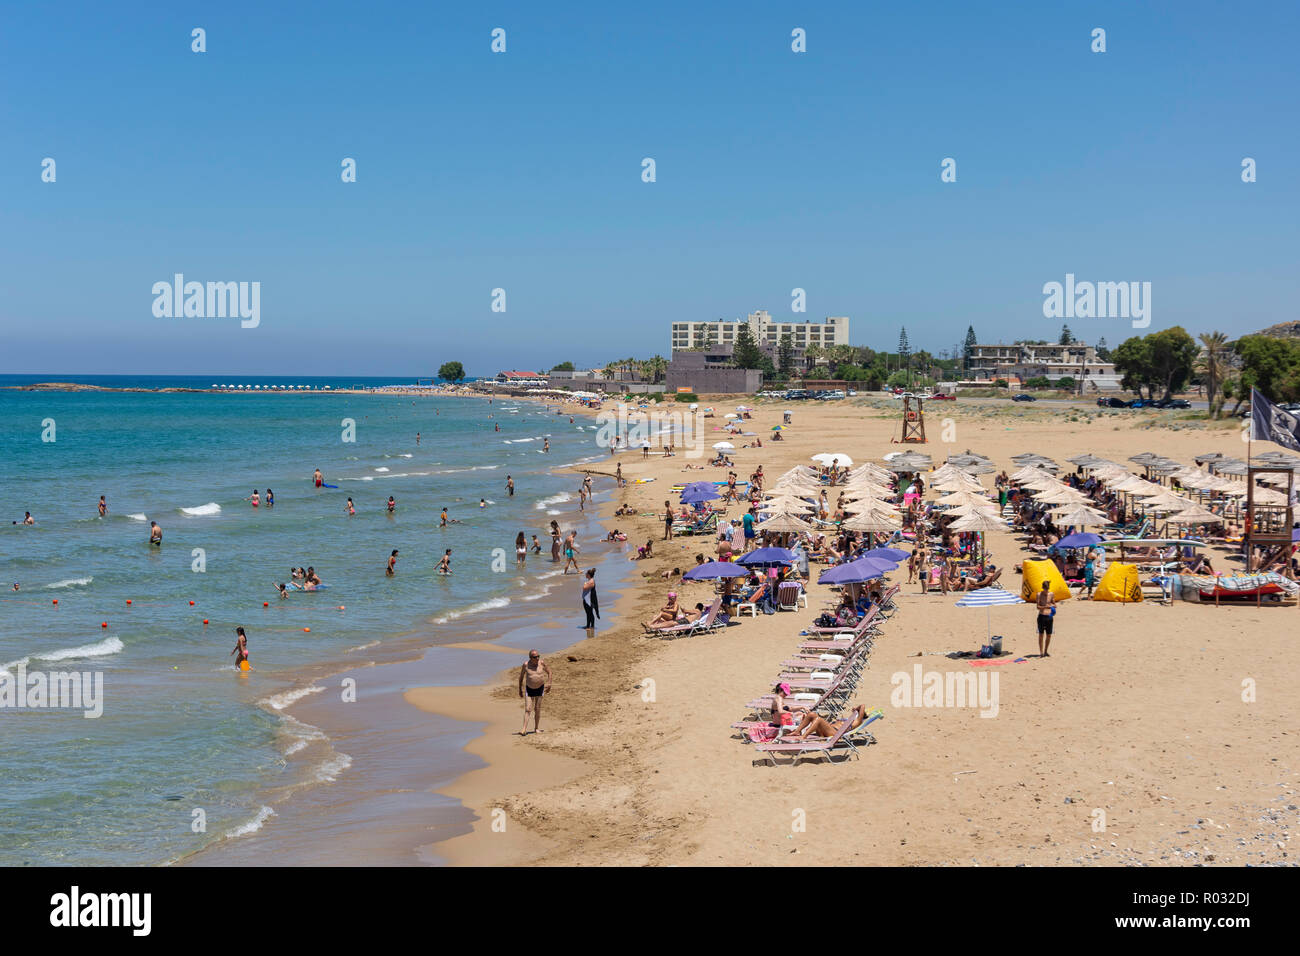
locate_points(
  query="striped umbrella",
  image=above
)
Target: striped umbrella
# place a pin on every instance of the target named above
(987, 598)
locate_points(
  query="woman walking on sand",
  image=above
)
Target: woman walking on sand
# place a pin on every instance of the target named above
(590, 603)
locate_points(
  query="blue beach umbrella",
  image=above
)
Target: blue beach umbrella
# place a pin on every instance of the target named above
(768, 556)
(710, 570)
(856, 572)
(987, 598)
(887, 554)
(697, 496)
(1080, 540)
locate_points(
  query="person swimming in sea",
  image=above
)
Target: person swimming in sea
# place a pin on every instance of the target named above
(103, 507)
(270, 498)
(392, 564)
(283, 591)
(443, 522)
(254, 498)
(444, 566)
(317, 478)
(392, 504)
(155, 534)
(349, 509)
(482, 502)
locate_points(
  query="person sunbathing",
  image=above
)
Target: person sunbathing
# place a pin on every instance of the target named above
(667, 616)
(782, 710)
(815, 725)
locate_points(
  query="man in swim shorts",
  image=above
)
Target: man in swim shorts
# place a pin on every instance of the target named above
(155, 534)
(1046, 616)
(317, 478)
(534, 680)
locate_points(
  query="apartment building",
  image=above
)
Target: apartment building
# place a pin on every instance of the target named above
(834, 330)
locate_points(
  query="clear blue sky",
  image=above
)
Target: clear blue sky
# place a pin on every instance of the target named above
(523, 171)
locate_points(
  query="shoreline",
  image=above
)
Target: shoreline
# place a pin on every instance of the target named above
(403, 747)
(632, 781)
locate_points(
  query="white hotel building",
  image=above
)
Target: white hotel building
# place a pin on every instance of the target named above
(833, 331)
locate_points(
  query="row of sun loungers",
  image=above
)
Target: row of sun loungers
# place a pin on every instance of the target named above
(823, 675)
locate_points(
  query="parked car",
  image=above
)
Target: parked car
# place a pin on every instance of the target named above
(1141, 403)
(1023, 397)
(1111, 402)
(944, 397)
(1173, 403)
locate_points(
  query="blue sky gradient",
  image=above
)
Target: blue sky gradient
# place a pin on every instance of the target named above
(522, 170)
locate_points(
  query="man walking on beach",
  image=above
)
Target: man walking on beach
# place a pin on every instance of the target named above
(1046, 616)
(534, 680)
(668, 520)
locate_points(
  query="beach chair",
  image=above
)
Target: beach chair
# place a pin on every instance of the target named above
(797, 750)
(789, 594)
(704, 525)
(867, 620)
(753, 600)
(711, 619)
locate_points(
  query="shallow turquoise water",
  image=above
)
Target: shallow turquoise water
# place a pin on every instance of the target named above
(180, 728)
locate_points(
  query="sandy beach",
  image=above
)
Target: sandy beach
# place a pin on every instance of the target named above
(1130, 745)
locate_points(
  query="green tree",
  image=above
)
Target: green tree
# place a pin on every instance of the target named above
(1162, 360)
(746, 354)
(451, 371)
(785, 354)
(656, 367)
(1213, 365)
(1038, 381)
(1067, 337)
(563, 367)
(1269, 364)
(1066, 382)
(1103, 353)
(968, 348)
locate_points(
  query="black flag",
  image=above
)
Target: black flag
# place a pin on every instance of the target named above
(1270, 423)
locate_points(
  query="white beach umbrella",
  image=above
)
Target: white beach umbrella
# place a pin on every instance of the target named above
(826, 458)
(783, 524)
(724, 446)
(873, 521)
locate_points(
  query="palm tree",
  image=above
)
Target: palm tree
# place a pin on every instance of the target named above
(656, 367)
(1213, 364)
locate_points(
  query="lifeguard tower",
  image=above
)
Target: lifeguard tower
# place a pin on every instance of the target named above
(1268, 526)
(913, 420)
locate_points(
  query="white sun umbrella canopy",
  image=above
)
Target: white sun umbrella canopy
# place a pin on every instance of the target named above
(979, 521)
(1062, 494)
(828, 458)
(1082, 518)
(872, 520)
(783, 524)
(989, 598)
(786, 504)
(964, 498)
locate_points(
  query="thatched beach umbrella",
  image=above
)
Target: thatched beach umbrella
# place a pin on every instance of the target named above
(784, 524)
(1081, 518)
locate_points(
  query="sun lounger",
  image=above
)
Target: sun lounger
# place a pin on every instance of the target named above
(842, 741)
(709, 620)
(789, 594)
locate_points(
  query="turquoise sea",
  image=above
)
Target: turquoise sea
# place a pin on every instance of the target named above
(180, 727)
